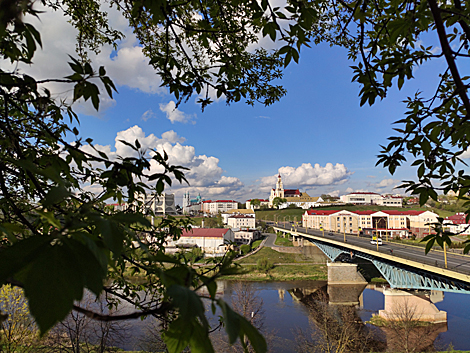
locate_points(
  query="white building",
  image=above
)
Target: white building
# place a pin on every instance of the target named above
(215, 241)
(161, 204)
(191, 206)
(361, 198)
(384, 223)
(391, 201)
(372, 198)
(457, 224)
(246, 212)
(219, 206)
(241, 221)
(246, 236)
(293, 197)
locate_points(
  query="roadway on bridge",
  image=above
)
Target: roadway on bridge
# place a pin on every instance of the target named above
(455, 262)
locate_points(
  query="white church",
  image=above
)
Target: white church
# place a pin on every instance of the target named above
(293, 197)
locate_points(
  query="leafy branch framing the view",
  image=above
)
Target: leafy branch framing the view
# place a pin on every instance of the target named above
(59, 237)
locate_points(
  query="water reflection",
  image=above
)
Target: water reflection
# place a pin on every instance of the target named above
(313, 311)
(298, 313)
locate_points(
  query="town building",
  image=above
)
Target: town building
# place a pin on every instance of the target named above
(293, 197)
(457, 224)
(213, 241)
(219, 206)
(385, 223)
(163, 204)
(241, 221)
(238, 211)
(192, 206)
(372, 198)
(246, 236)
(118, 206)
(262, 203)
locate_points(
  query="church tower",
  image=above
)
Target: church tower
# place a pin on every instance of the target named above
(279, 192)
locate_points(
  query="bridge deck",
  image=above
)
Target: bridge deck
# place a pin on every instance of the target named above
(404, 255)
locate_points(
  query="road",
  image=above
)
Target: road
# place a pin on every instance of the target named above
(456, 262)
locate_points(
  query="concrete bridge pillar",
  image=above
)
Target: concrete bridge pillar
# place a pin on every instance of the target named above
(345, 284)
(344, 273)
(411, 305)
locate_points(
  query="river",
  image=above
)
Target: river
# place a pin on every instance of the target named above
(285, 313)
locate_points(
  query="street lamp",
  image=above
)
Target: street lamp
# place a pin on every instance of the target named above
(445, 255)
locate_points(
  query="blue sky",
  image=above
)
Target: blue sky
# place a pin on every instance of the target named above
(317, 137)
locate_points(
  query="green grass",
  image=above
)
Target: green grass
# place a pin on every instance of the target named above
(281, 241)
(275, 257)
(256, 243)
(280, 273)
(271, 215)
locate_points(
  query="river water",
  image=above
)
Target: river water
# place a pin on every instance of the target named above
(285, 313)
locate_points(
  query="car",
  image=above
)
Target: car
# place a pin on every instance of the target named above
(330, 233)
(374, 242)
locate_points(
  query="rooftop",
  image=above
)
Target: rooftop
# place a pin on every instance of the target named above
(205, 232)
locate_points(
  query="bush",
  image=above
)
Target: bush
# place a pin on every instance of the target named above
(245, 249)
(264, 264)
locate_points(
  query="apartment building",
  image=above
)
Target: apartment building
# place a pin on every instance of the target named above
(385, 223)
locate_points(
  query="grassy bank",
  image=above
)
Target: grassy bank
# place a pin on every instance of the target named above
(284, 267)
(275, 257)
(281, 241)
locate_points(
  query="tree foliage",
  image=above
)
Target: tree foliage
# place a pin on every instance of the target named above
(55, 229)
(277, 201)
(18, 332)
(388, 43)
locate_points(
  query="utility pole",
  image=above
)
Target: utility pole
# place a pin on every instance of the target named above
(445, 255)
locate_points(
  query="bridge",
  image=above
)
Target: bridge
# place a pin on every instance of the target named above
(403, 266)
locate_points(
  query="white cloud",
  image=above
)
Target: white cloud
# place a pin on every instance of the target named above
(334, 193)
(307, 176)
(148, 115)
(349, 190)
(127, 66)
(385, 183)
(173, 114)
(204, 174)
(465, 154)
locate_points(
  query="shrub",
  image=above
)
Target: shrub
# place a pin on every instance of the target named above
(245, 249)
(264, 264)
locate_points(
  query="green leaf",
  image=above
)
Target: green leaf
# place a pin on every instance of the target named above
(423, 197)
(177, 336)
(200, 342)
(52, 283)
(130, 218)
(49, 216)
(256, 339)
(189, 303)
(237, 326)
(55, 195)
(429, 245)
(14, 258)
(113, 237)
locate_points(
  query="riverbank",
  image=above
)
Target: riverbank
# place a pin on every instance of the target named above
(270, 265)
